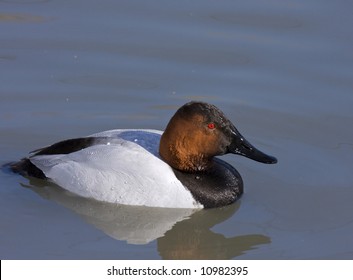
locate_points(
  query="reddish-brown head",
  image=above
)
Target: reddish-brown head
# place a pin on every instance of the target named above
(199, 131)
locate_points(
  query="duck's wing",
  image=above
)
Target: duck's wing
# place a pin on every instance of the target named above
(122, 172)
(70, 146)
(26, 168)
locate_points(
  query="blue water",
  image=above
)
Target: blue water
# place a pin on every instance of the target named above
(280, 70)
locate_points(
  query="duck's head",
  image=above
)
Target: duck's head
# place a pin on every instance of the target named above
(199, 131)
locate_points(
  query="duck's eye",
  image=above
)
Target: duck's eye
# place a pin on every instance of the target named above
(211, 126)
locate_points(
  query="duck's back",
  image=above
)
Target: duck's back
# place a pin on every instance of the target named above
(121, 166)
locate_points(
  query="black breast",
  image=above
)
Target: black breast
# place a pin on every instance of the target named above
(218, 186)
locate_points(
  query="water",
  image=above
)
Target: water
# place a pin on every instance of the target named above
(280, 70)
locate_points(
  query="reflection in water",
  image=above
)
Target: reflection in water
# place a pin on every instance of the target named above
(193, 239)
(133, 224)
(181, 233)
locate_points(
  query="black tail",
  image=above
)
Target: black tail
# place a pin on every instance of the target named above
(25, 167)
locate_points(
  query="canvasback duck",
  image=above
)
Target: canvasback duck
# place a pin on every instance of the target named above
(176, 168)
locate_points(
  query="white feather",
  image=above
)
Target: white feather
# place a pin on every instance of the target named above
(126, 170)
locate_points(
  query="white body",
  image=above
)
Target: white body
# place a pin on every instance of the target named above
(127, 170)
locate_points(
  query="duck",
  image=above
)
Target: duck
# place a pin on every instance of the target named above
(175, 168)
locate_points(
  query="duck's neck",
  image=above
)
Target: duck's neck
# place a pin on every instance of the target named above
(184, 161)
(178, 152)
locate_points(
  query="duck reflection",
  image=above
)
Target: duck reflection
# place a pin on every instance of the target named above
(193, 239)
(180, 233)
